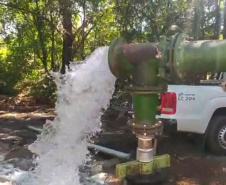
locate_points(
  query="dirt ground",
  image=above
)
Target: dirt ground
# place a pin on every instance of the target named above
(189, 164)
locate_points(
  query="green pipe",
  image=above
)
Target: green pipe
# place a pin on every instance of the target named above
(132, 60)
(195, 57)
(145, 107)
(118, 63)
(145, 74)
(137, 62)
(145, 104)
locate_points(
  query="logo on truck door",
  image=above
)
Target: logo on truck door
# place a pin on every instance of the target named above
(186, 97)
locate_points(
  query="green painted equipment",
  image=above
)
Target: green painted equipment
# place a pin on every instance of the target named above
(185, 58)
(136, 167)
(147, 67)
(138, 62)
(140, 65)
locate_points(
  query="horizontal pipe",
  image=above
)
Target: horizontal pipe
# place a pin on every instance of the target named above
(124, 58)
(39, 130)
(191, 58)
(202, 56)
(109, 151)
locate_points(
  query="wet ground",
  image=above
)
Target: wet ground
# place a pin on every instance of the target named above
(189, 164)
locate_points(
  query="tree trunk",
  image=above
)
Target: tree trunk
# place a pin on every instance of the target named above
(82, 54)
(39, 25)
(217, 23)
(66, 6)
(197, 20)
(224, 30)
(53, 66)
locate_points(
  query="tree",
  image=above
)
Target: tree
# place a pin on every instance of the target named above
(40, 36)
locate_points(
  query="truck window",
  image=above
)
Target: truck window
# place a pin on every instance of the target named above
(215, 76)
(224, 75)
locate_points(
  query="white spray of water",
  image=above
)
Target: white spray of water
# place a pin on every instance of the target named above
(88, 88)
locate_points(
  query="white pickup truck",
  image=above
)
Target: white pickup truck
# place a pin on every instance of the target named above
(198, 109)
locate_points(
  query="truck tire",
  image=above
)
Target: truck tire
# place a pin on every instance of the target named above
(216, 139)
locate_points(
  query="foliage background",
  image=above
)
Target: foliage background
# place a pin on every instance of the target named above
(38, 37)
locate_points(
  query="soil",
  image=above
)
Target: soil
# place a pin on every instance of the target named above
(190, 165)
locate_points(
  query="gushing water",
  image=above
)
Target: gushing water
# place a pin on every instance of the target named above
(62, 148)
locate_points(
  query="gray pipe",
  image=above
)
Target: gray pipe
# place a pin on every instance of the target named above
(108, 151)
(105, 150)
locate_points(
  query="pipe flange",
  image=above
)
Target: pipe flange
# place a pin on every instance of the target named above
(144, 90)
(146, 130)
(174, 48)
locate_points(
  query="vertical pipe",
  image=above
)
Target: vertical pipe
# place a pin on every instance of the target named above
(145, 102)
(145, 107)
(139, 63)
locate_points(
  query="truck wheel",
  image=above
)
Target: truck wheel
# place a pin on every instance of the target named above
(216, 140)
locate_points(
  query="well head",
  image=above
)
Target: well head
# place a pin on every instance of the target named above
(139, 64)
(135, 61)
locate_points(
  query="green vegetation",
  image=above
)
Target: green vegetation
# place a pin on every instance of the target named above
(38, 37)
